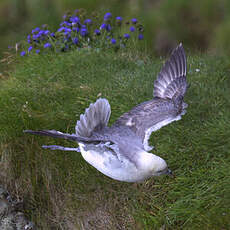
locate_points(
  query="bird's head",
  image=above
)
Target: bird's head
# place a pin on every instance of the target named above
(160, 167)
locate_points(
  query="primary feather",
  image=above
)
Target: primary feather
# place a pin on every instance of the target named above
(172, 78)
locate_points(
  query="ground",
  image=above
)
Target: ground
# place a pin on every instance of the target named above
(61, 191)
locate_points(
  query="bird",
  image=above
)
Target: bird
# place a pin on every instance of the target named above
(121, 151)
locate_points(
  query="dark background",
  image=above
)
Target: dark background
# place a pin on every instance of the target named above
(202, 25)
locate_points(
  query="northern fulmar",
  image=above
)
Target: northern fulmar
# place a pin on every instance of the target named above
(121, 151)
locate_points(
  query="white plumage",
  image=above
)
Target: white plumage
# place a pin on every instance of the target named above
(121, 151)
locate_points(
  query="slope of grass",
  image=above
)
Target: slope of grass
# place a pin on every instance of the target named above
(61, 191)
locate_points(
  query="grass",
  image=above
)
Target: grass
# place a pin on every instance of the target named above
(61, 191)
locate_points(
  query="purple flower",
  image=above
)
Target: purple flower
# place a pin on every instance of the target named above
(35, 30)
(119, 18)
(107, 16)
(47, 45)
(37, 51)
(61, 29)
(68, 30)
(66, 34)
(41, 32)
(83, 32)
(52, 34)
(30, 48)
(127, 36)
(140, 36)
(113, 41)
(23, 53)
(76, 29)
(132, 28)
(103, 26)
(46, 32)
(28, 39)
(35, 36)
(75, 19)
(97, 32)
(65, 23)
(88, 21)
(108, 27)
(134, 20)
(75, 41)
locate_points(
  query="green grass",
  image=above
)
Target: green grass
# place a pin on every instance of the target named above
(61, 191)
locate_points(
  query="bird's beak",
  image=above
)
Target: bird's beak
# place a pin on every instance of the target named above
(169, 172)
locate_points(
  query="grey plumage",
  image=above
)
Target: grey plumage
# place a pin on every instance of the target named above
(171, 81)
(121, 150)
(167, 105)
(95, 117)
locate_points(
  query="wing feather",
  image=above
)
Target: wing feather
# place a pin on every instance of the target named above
(173, 69)
(170, 85)
(95, 117)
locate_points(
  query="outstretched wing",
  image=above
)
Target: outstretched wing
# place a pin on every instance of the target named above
(96, 117)
(168, 87)
(171, 81)
(148, 117)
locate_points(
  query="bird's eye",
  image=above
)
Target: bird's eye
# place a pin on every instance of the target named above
(162, 171)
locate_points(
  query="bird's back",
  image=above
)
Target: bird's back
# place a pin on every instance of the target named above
(148, 114)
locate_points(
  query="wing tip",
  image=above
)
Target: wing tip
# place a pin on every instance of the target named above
(174, 68)
(96, 115)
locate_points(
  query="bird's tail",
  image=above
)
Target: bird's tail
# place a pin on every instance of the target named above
(57, 134)
(95, 118)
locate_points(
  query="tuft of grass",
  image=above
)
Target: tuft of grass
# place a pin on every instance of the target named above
(61, 191)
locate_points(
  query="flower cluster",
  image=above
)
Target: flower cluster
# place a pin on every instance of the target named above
(77, 31)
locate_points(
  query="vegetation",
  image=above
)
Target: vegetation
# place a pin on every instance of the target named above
(61, 191)
(202, 25)
(77, 31)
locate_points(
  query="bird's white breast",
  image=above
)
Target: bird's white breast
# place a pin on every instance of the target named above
(119, 168)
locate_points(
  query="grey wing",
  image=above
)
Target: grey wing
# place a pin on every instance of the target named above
(148, 117)
(169, 87)
(171, 81)
(123, 153)
(95, 118)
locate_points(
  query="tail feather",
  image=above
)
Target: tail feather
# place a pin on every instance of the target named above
(71, 137)
(171, 81)
(96, 117)
(55, 134)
